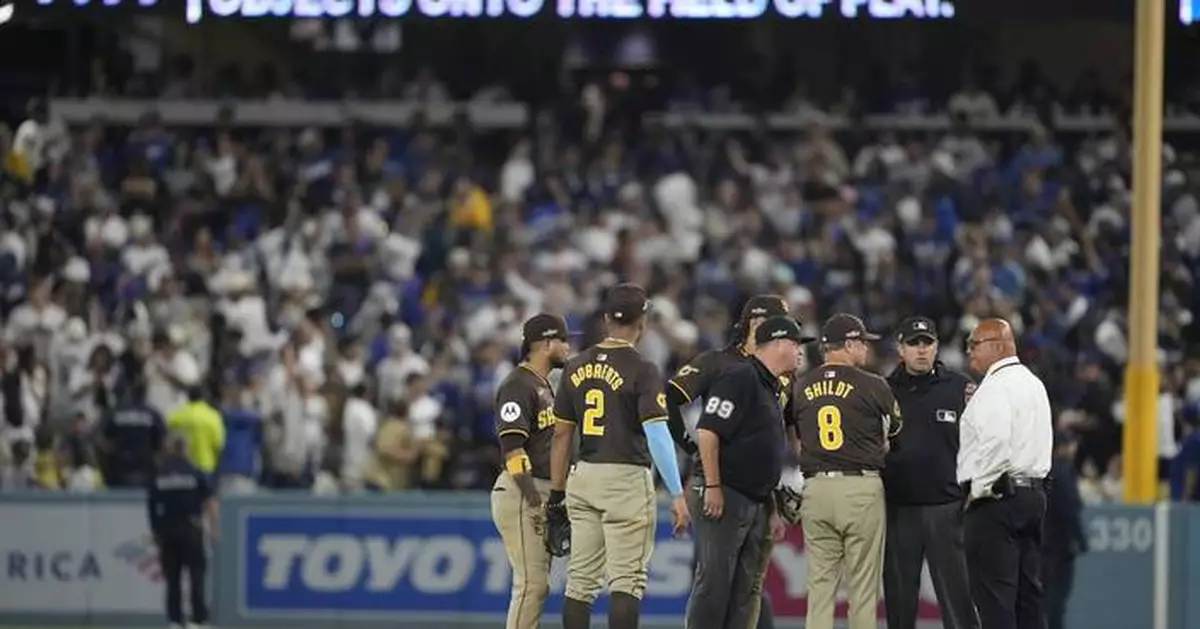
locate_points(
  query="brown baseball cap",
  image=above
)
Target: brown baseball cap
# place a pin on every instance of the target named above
(543, 327)
(764, 306)
(626, 303)
(843, 327)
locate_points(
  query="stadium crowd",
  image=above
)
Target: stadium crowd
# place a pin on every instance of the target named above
(348, 300)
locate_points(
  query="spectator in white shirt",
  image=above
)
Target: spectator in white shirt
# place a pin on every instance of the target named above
(400, 364)
(359, 422)
(170, 372)
(973, 103)
(1004, 456)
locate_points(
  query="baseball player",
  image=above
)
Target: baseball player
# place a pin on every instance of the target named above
(524, 424)
(615, 399)
(845, 416)
(693, 382)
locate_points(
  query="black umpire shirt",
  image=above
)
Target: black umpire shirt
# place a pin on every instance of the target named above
(922, 465)
(694, 381)
(743, 410)
(177, 496)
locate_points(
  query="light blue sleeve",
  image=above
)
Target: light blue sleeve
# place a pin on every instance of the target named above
(662, 451)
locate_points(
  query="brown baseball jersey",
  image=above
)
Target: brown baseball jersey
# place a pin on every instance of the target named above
(608, 392)
(842, 413)
(695, 379)
(524, 406)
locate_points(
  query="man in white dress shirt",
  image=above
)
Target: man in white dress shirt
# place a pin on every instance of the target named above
(1006, 438)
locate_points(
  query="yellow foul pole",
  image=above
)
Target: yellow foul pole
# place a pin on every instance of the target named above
(1142, 375)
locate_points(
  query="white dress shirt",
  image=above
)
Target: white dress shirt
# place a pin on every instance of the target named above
(1006, 428)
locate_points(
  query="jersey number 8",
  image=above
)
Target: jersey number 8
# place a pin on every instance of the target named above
(829, 427)
(720, 408)
(593, 415)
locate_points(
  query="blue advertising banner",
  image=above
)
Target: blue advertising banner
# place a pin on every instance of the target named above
(424, 561)
(410, 564)
(437, 561)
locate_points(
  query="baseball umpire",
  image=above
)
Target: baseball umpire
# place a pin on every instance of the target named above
(525, 426)
(179, 496)
(615, 398)
(694, 381)
(742, 445)
(845, 416)
(924, 500)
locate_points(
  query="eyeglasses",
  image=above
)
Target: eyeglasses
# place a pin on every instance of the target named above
(973, 343)
(920, 341)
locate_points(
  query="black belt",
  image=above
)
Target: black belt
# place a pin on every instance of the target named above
(1023, 482)
(1017, 482)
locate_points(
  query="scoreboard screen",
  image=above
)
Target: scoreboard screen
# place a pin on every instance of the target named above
(194, 11)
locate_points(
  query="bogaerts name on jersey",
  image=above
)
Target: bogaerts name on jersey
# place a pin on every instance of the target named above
(598, 371)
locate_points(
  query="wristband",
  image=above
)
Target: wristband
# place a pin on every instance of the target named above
(717, 486)
(557, 496)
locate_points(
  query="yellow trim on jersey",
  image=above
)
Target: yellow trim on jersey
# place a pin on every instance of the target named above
(513, 431)
(518, 463)
(611, 343)
(563, 420)
(686, 395)
(656, 418)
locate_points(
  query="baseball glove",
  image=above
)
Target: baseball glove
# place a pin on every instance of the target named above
(787, 503)
(558, 530)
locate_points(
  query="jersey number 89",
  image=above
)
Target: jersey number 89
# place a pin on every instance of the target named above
(829, 427)
(720, 408)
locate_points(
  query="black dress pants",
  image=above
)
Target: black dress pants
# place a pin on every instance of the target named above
(180, 550)
(1003, 539)
(1059, 573)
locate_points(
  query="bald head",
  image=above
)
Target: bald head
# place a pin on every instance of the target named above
(990, 341)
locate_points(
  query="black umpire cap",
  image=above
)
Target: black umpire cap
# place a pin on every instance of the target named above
(780, 327)
(542, 327)
(626, 303)
(917, 328)
(845, 327)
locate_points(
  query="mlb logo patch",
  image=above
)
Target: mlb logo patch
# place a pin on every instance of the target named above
(946, 416)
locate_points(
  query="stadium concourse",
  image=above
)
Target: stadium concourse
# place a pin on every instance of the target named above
(348, 297)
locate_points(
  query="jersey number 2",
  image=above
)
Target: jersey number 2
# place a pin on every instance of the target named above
(593, 415)
(829, 427)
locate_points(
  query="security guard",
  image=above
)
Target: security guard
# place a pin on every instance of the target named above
(1065, 538)
(742, 444)
(131, 435)
(179, 496)
(924, 500)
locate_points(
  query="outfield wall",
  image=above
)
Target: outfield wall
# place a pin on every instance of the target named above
(435, 561)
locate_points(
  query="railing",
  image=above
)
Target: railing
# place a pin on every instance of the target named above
(435, 561)
(297, 113)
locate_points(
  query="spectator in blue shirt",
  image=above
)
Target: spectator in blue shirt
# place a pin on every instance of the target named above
(239, 466)
(1185, 468)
